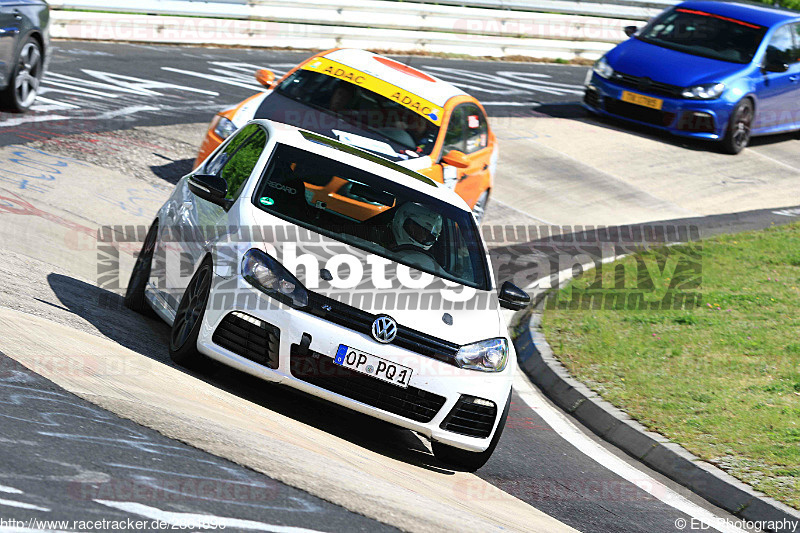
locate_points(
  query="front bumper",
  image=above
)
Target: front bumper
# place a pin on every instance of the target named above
(434, 391)
(702, 119)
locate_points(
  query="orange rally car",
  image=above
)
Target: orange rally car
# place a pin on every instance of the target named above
(378, 104)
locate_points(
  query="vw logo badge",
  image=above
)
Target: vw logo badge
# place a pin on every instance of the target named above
(384, 329)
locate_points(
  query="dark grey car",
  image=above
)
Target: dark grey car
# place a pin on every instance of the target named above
(24, 51)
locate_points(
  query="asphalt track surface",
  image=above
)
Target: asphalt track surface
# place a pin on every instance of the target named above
(61, 454)
(107, 87)
(64, 457)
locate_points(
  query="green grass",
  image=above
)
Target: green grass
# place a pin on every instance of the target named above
(722, 379)
(791, 4)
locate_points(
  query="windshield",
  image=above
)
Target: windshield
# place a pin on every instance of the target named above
(366, 109)
(374, 214)
(705, 34)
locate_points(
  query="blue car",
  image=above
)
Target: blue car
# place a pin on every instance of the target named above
(709, 70)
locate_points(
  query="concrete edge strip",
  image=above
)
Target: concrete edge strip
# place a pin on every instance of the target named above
(537, 360)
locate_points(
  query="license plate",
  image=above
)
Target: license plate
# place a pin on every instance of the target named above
(372, 365)
(640, 99)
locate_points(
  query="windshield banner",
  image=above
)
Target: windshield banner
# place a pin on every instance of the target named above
(409, 100)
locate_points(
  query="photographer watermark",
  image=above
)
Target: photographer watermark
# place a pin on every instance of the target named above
(104, 524)
(610, 268)
(695, 524)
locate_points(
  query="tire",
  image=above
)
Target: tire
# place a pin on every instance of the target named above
(479, 210)
(737, 135)
(466, 460)
(189, 319)
(23, 85)
(134, 295)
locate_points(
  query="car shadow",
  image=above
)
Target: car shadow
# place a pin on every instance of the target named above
(562, 110)
(173, 171)
(576, 111)
(767, 140)
(149, 336)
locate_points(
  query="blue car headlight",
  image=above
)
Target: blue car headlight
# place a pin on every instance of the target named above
(488, 356)
(708, 91)
(224, 127)
(602, 68)
(269, 276)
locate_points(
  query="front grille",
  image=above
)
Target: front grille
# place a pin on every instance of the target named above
(249, 337)
(655, 117)
(361, 321)
(320, 370)
(591, 97)
(647, 85)
(470, 418)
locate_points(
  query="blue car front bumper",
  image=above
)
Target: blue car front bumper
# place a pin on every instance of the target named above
(702, 119)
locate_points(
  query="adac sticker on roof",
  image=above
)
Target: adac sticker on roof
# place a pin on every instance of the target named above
(362, 79)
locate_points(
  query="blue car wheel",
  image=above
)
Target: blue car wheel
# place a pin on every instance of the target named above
(739, 127)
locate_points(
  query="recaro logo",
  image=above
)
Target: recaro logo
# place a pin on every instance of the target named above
(282, 187)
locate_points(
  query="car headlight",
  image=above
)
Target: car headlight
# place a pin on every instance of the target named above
(704, 92)
(602, 68)
(488, 356)
(224, 127)
(269, 276)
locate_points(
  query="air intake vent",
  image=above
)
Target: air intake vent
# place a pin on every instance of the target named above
(249, 337)
(471, 416)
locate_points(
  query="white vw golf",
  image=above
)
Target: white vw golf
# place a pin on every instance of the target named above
(314, 264)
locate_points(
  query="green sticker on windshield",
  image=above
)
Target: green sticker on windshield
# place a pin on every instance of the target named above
(266, 200)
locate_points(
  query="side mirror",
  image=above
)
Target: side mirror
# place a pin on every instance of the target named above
(456, 159)
(630, 30)
(512, 297)
(265, 77)
(210, 188)
(776, 66)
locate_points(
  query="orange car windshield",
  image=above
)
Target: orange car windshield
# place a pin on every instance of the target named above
(364, 108)
(374, 214)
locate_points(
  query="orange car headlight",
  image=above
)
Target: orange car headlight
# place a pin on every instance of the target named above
(223, 127)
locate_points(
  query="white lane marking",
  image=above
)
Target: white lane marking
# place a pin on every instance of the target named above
(33, 118)
(788, 212)
(88, 83)
(566, 274)
(139, 85)
(220, 79)
(570, 433)
(46, 104)
(77, 88)
(503, 83)
(178, 519)
(245, 72)
(525, 76)
(127, 111)
(529, 104)
(122, 84)
(20, 505)
(10, 490)
(776, 161)
(565, 428)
